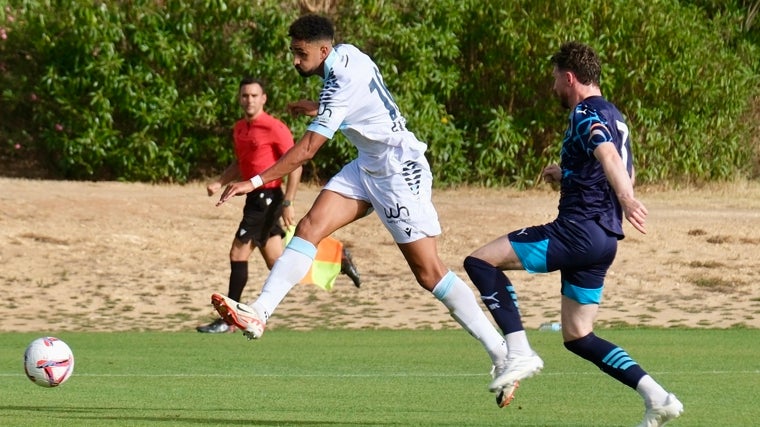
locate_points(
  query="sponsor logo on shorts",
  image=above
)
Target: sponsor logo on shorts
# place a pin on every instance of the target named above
(395, 212)
(398, 217)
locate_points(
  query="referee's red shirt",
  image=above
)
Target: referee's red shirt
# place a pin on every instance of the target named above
(258, 145)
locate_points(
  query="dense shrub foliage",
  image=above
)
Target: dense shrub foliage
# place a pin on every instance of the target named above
(145, 90)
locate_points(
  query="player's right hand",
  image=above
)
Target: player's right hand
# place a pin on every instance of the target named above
(235, 189)
(552, 174)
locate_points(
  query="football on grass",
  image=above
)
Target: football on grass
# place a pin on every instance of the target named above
(48, 362)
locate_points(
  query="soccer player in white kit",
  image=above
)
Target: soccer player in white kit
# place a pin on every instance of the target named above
(390, 176)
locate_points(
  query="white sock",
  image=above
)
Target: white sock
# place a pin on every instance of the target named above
(518, 345)
(464, 308)
(651, 391)
(291, 267)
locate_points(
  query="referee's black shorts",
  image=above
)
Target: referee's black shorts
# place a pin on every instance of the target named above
(261, 217)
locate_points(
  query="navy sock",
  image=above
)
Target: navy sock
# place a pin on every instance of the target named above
(238, 279)
(611, 359)
(497, 293)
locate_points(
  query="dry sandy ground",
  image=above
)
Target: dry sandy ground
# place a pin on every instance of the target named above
(116, 257)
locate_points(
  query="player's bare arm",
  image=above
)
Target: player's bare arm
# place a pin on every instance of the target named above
(617, 175)
(294, 158)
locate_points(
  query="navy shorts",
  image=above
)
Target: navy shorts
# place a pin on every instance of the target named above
(261, 217)
(581, 250)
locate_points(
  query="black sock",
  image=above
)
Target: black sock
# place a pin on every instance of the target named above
(497, 293)
(611, 359)
(238, 279)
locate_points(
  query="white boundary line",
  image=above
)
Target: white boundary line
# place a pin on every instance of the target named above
(398, 375)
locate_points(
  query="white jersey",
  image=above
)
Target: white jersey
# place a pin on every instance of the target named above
(355, 101)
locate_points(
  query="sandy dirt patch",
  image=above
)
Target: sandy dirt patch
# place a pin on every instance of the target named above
(108, 256)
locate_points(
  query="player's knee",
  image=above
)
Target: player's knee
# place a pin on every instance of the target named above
(429, 279)
(470, 264)
(582, 346)
(429, 274)
(469, 261)
(481, 273)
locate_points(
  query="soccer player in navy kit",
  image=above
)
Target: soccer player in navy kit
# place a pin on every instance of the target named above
(596, 184)
(390, 175)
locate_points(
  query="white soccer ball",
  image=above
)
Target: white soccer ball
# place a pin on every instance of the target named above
(48, 362)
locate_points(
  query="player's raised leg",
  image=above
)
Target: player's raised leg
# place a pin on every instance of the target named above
(485, 267)
(286, 272)
(329, 212)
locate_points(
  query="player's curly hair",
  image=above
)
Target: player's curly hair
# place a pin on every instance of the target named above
(581, 60)
(311, 28)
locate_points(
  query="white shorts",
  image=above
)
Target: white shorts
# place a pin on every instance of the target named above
(403, 201)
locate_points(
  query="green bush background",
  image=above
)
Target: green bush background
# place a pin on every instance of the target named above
(146, 90)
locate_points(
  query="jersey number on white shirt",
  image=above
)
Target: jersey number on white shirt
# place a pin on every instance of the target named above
(377, 86)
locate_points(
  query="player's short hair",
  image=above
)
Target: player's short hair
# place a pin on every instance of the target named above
(312, 28)
(245, 81)
(581, 60)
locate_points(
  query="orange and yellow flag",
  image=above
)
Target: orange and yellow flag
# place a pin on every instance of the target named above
(326, 266)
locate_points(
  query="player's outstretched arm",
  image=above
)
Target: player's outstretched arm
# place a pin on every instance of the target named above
(302, 152)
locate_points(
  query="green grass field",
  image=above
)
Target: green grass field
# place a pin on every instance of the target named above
(372, 378)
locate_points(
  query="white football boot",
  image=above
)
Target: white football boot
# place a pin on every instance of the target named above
(240, 315)
(517, 368)
(658, 415)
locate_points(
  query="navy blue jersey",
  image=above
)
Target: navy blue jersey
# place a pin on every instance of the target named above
(585, 191)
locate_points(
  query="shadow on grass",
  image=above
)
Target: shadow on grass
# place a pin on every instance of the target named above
(104, 414)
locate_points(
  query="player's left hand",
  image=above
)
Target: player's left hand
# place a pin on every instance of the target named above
(636, 213)
(303, 106)
(235, 189)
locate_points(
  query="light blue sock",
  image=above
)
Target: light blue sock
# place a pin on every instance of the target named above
(464, 308)
(288, 270)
